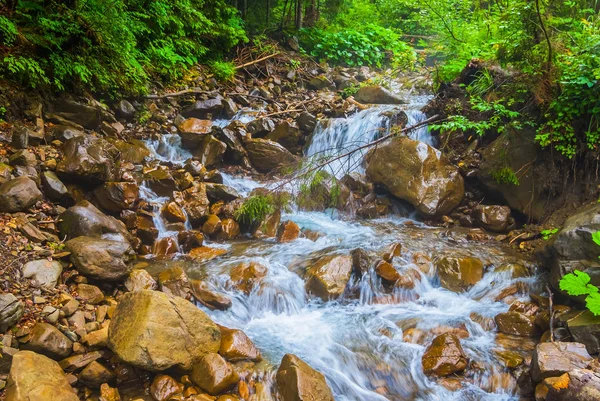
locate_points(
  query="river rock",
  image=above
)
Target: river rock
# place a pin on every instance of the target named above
(328, 277)
(134, 151)
(578, 384)
(266, 155)
(46, 339)
(459, 273)
(260, 127)
(117, 196)
(36, 377)
(287, 135)
(217, 192)
(140, 279)
(65, 132)
(165, 247)
(173, 213)
(247, 275)
(87, 115)
(94, 374)
(585, 329)
(288, 231)
(519, 320)
(84, 219)
(45, 272)
(125, 110)
(556, 358)
(101, 259)
(24, 158)
(153, 331)
(212, 225)
(230, 229)
(90, 158)
(213, 374)
(307, 122)
(194, 202)
(193, 131)
(387, 272)
(108, 393)
(206, 295)
(190, 239)
(204, 109)
(376, 94)
(417, 173)
(11, 311)
(174, 282)
(54, 188)
(297, 381)
(89, 294)
(18, 195)
(493, 217)
(161, 181)
(210, 151)
(236, 346)
(163, 387)
(205, 253)
(444, 356)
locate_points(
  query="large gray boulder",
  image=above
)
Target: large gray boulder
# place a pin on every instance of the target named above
(101, 259)
(376, 94)
(84, 219)
(45, 272)
(266, 155)
(153, 331)
(417, 173)
(18, 195)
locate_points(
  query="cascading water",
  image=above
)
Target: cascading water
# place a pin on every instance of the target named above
(368, 343)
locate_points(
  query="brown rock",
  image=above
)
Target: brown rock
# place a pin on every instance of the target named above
(173, 213)
(297, 381)
(108, 393)
(174, 282)
(117, 196)
(517, 322)
(387, 272)
(459, 273)
(246, 276)
(236, 346)
(209, 298)
(288, 231)
(267, 155)
(94, 374)
(204, 253)
(375, 94)
(84, 219)
(556, 358)
(212, 225)
(190, 239)
(444, 356)
(163, 387)
(213, 374)
(48, 340)
(90, 294)
(328, 277)
(140, 279)
(101, 259)
(89, 158)
(230, 229)
(18, 195)
(166, 246)
(394, 250)
(492, 217)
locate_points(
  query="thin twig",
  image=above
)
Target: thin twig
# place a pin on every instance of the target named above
(256, 61)
(551, 310)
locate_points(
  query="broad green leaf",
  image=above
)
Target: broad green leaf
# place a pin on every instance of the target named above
(576, 283)
(596, 237)
(593, 303)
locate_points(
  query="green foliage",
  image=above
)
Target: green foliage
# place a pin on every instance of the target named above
(549, 233)
(319, 191)
(578, 284)
(349, 91)
(2, 112)
(223, 71)
(255, 209)
(112, 46)
(505, 175)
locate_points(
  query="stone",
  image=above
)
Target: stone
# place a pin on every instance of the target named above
(153, 331)
(519, 320)
(585, 329)
(212, 225)
(89, 294)
(493, 217)
(203, 292)
(190, 239)
(134, 151)
(286, 134)
(459, 273)
(20, 137)
(376, 94)
(24, 158)
(357, 183)
(54, 188)
(125, 110)
(204, 109)
(94, 374)
(230, 109)
(173, 213)
(165, 247)
(205, 253)
(36, 377)
(444, 356)
(18, 195)
(417, 173)
(297, 381)
(556, 358)
(140, 279)
(236, 346)
(387, 272)
(163, 387)
(361, 262)
(79, 361)
(86, 115)
(11, 311)
(192, 131)
(161, 182)
(101, 259)
(97, 338)
(217, 192)
(393, 251)
(210, 151)
(307, 122)
(213, 374)
(260, 127)
(578, 384)
(174, 282)
(288, 231)
(65, 132)
(267, 156)
(320, 82)
(46, 273)
(247, 275)
(84, 219)
(48, 340)
(108, 393)
(328, 277)
(117, 196)
(89, 158)
(230, 229)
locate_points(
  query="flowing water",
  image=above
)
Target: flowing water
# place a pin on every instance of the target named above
(368, 343)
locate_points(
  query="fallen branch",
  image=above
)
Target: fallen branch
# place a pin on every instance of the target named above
(551, 311)
(256, 61)
(282, 112)
(195, 91)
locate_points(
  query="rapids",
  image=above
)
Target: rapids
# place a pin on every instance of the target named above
(368, 343)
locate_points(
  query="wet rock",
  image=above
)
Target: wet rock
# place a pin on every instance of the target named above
(210, 151)
(117, 196)
(140, 279)
(307, 122)
(161, 182)
(361, 262)
(153, 331)
(212, 225)
(286, 134)
(65, 132)
(190, 239)
(205, 253)
(230, 229)
(230, 109)
(514, 270)
(444, 356)
(204, 109)
(556, 358)
(267, 156)
(218, 192)
(84, 219)
(174, 282)
(492, 217)
(193, 131)
(54, 188)
(108, 393)
(165, 247)
(213, 374)
(387, 272)
(236, 346)
(48, 340)
(87, 115)
(24, 158)
(203, 292)
(125, 110)
(194, 202)
(145, 229)
(376, 95)
(246, 276)
(288, 231)
(46, 273)
(134, 151)
(11, 311)
(163, 387)
(260, 127)
(578, 384)
(518, 321)
(328, 277)
(18, 195)
(94, 374)
(101, 259)
(173, 213)
(459, 273)
(417, 173)
(76, 362)
(393, 251)
(268, 227)
(89, 158)
(297, 381)
(585, 329)
(36, 377)
(357, 183)
(89, 294)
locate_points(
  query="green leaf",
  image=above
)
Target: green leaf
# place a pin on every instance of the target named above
(593, 303)
(576, 283)
(596, 237)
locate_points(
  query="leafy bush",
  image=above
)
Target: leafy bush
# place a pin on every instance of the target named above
(223, 71)
(255, 209)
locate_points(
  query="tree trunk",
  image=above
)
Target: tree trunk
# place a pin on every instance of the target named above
(268, 13)
(312, 14)
(298, 14)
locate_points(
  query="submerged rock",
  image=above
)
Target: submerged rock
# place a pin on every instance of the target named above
(246, 276)
(288, 231)
(417, 173)
(444, 356)
(297, 381)
(208, 297)
(328, 277)
(153, 331)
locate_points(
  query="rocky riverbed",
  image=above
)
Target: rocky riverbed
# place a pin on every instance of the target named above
(130, 274)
